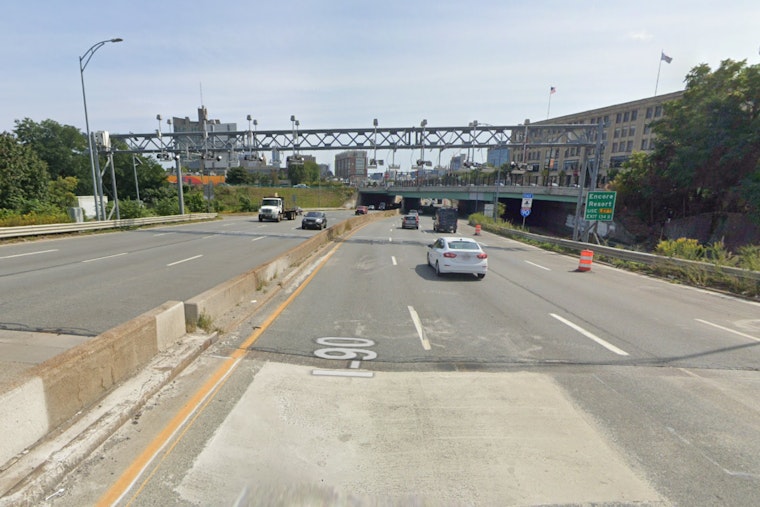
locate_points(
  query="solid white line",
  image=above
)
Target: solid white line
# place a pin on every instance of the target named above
(418, 325)
(106, 257)
(588, 334)
(183, 260)
(342, 373)
(393, 260)
(30, 253)
(258, 238)
(538, 265)
(728, 330)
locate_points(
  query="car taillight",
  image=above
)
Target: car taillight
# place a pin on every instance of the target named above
(449, 255)
(482, 256)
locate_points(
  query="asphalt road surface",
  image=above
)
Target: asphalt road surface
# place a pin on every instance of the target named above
(371, 381)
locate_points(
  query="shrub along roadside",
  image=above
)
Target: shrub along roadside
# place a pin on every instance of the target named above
(747, 257)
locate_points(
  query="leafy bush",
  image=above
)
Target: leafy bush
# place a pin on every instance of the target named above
(167, 206)
(132, 209)
(683, 248)
(195, 203)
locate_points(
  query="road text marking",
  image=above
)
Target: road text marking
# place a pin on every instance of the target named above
(588, 334)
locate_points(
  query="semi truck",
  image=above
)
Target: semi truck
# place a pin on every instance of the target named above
(273, 208)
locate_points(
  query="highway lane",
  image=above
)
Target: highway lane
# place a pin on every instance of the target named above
(537, 385)
(86, 285)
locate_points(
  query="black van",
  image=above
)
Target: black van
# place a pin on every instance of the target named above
(445, 220)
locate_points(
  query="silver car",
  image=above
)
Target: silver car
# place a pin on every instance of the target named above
(457, 255)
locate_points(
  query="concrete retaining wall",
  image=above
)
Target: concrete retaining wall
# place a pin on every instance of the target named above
(56, 390)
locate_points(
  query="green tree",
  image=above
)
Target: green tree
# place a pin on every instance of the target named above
(61, 192)
(151, 176)
(296, 173)
(708, 142)
(62, 147)
(237, 176)
(23, 175)
(311, 171)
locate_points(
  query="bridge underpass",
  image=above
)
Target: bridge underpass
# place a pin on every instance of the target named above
(550, 210)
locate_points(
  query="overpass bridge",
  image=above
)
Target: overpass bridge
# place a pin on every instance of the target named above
(550, 209)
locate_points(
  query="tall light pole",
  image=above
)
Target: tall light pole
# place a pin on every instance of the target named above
(250, 134)
(373, 165)
(83, 61)
(423, 124)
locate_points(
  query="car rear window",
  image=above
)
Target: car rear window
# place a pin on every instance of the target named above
(463, 245)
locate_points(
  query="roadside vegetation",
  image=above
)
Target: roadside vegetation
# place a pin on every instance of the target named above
(747, 257)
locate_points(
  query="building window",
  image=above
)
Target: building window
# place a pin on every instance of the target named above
(658, 111)
(617, 133)
(625, 132)
(647, 129)
(634, 114)
(650, 113)
(614, 147)
(629, 147)
(606, 118)
(626, 116)
(618, 118)
(643, 145)
(632, 130)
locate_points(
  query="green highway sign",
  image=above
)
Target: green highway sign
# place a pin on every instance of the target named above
(600, 205)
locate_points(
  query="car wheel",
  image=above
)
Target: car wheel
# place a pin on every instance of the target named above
(437, 269)
(481, 276)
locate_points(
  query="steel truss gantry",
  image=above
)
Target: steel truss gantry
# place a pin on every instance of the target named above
(402, 138)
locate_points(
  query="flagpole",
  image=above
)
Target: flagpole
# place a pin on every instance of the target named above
(550, 104)
(659, 67)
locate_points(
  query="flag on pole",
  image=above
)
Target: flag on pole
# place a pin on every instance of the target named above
(552, 90)
(665, 58)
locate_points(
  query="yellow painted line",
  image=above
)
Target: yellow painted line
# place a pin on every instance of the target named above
(193, 408)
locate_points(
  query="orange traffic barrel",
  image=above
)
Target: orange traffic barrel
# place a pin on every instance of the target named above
(587, 257)
(477, 230)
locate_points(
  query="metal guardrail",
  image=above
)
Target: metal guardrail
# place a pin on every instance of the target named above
(42, 230)
(630, 255)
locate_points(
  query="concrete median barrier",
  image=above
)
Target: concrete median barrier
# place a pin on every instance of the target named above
(53, 392)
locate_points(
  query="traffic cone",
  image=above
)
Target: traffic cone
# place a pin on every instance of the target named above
(587, 257)
(477, 230)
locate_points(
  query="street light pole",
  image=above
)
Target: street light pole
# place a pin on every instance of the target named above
(423, 124)
(83, 61)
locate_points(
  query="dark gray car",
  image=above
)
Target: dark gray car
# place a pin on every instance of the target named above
(314, 220)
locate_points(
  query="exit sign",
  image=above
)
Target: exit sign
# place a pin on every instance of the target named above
(600, 205)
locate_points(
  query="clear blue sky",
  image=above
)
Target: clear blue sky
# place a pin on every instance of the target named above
(341, 63)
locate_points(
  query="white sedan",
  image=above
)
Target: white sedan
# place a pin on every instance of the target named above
(457, 255)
